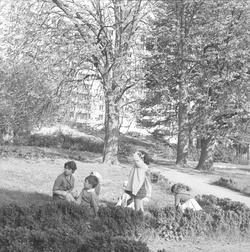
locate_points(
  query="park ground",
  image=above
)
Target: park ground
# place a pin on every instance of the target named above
(29, 179)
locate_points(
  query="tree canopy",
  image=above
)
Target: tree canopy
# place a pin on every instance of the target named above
(200, 61)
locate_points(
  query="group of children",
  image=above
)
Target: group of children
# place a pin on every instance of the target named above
(64, 188)
(137, 189)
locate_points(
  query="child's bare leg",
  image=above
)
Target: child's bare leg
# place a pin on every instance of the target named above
(142, 208)
(74, 193)
(68, 197)
(138, 205)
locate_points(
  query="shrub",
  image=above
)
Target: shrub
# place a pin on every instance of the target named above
(155, 177)
(220, 216)
(105, 243)
(125, 148)
(43, 216)
(42, 140)
(25, 239)
(66, 141)
(79, 143)
(193, 153)
(232, 185)
(227, 154)
(120, 221)
(62, 226)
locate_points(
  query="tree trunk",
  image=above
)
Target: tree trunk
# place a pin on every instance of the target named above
(183, 136)
(111, 139)
(183, 120)
(206, 157)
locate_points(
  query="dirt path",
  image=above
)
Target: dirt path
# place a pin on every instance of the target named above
(199, 183)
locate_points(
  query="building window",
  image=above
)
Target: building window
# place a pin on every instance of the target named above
(100, 117)
(83, 116)
(101, 107)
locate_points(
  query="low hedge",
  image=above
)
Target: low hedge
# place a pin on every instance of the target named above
(65, 141)
(62, 226)
(219, 216)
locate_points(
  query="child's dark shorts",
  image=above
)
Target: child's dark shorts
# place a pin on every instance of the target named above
(141, 193)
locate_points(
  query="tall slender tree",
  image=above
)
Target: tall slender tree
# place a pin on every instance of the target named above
(225, 75)
(173, 55)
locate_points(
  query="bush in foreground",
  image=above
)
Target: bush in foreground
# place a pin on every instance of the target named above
(61, 226)
(219, 217)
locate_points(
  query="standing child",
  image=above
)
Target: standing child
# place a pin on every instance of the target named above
(138, 186)
(183, 199)
(63, 188)
(88, 196)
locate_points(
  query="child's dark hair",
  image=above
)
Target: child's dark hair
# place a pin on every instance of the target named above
(177, 187)
(71, 165)
(93, 180)
(146, 157)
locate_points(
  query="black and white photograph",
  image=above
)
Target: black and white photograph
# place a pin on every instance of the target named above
(125, 125)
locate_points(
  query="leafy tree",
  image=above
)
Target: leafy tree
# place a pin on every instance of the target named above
(73, 42)
(200, 59)
(26, 82)
(173, 65)
(104, 33)
(223, 88)
(23, 99)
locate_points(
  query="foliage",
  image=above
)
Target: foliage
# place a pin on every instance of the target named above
(93, 43)
(224, 154)
(120, 220)
(198, 67)
(193, 153)
(23, 99)
(107, 244)
(227, 154)
(232, 185)
(65, 141)
(219, 217)
(125, 148)
(27, 88)
(62, 226)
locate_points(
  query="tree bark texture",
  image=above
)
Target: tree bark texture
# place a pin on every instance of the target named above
(111, 140)
(207, 152)
(183, 136)
(183, 120)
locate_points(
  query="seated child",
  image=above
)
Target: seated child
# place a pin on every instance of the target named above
(88, 197)
(63, 188)
(98, 187)
(183, 199)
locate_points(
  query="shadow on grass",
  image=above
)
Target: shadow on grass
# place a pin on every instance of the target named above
(22, 198)
(163, 162)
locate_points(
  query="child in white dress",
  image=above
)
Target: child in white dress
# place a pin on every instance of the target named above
(138, 186)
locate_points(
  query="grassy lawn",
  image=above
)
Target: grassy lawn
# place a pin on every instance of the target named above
(27, 177)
